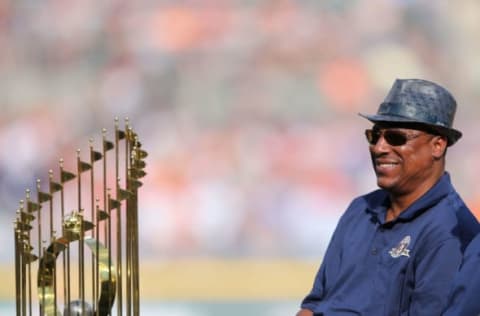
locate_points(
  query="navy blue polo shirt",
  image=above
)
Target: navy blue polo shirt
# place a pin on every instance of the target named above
(465, 295)
(402, 267)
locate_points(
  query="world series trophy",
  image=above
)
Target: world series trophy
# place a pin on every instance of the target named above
(83, 259)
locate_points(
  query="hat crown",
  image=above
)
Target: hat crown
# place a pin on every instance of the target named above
(421, 101)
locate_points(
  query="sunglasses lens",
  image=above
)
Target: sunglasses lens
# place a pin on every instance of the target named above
(372, 136)
(393, 138)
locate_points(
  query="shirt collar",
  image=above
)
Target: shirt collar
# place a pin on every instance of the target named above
(379, 205)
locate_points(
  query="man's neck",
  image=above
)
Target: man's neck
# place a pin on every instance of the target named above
(400, 202)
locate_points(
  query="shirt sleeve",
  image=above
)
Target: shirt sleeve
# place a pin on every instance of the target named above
(433, 278)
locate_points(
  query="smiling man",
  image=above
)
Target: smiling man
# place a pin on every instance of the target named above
(396, 250)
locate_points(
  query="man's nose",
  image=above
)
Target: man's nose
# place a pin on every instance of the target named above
(381, 145)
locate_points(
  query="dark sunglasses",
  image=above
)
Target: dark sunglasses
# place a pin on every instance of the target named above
(392, 137)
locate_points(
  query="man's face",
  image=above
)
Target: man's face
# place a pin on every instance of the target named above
(402, 158)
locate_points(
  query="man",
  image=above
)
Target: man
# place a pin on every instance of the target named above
(464, 298)
(395, 251)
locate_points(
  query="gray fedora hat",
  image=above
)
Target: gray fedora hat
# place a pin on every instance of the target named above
(420, 102)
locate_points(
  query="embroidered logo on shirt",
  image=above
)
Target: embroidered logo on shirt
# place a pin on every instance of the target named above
(401, 249)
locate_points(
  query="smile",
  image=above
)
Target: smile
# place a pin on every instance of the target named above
(384, 166)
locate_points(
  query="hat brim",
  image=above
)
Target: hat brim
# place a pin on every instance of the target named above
(451, 134)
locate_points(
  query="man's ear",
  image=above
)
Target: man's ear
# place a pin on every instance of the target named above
(439, 146)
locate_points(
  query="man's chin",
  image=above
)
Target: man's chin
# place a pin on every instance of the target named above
(384, 183)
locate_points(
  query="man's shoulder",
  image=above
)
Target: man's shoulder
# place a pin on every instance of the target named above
(450, 218)
(454, 210)
(371, 200)
(362, 204)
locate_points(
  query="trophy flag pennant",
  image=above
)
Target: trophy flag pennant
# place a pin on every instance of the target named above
(120, 134)
(142, 154)
(26, 217)
(27, 247)
(55, 187)
(113, 204)
(137, 173)
(140, 164)
(24, 226)
(84, 166)
(134, 183)
(32, 206)
(87, 226)
(29, 257)
(102, 215)
(95, 155)
(44, 197)
(123, 194)
(107, 145)
(67, 176)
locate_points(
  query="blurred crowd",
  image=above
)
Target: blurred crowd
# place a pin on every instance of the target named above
(248, 109)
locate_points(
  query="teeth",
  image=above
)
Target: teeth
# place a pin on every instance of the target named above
(386, 165)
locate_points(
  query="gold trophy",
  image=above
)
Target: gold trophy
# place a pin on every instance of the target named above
(83, 261)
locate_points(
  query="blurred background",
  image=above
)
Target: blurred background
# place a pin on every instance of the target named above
(248, 110)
